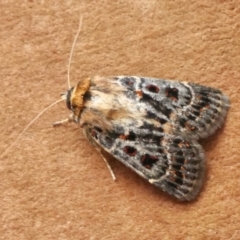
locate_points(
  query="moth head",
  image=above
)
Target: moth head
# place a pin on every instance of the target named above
(75, 97)
(67, 96)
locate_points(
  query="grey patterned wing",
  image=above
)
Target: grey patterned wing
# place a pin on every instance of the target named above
(185, 109)
(172, 163)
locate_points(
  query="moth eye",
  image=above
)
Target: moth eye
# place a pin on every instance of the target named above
(131, 151)
(152, 88)
(68, 105)
(68, 98)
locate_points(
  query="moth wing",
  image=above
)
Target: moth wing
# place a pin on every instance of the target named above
(172, 163)
(186, 109)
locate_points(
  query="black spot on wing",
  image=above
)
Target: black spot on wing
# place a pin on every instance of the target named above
(130, 150)
(172, 93)
(152, 88)
(148, 160)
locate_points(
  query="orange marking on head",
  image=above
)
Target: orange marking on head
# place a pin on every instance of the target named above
(79, 91)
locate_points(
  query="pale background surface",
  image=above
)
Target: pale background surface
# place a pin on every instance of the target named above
(54, 185)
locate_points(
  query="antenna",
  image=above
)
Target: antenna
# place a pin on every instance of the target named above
(26, 128)
(72, 49)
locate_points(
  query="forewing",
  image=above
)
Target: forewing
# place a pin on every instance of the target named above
(185, 109)
(151, 125)
(172, 163)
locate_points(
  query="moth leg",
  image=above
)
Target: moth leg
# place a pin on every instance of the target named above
(108, 165)
(64, 121)
(95, 144)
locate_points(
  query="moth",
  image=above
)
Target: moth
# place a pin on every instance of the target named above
(150, 125)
